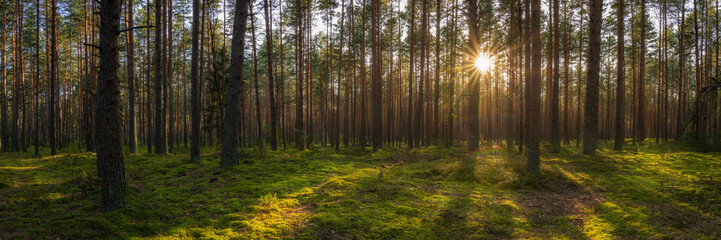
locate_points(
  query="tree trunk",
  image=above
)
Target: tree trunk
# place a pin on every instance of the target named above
(620, 78)
(555, 123)
(299, 77)
(641, 110)
(235, 86)
(533, 99)
(107, 110)
(410, 74)
(271, 91)
(195, 87)
(258, 118)
(377, 61)
(54, 78)
(159, 70)
(592, 75)
(170, 140)
(474, 77)
(132, 140)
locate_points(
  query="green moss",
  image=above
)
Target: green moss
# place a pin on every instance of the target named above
(657, 191)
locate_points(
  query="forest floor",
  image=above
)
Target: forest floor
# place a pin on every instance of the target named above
(655, 191)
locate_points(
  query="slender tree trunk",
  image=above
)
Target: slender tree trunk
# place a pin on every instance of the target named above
(474, 83)
(229, 152)
(377, 84)
(170, 140)
(592, 76)
(555, 116)
(36, 128)
(107, 110)
(132, 141)
(3, 91)
(338, 83)
(682, 74)
(159, 70)
(255, 80)
(195, 86)
(534, 91)
(620, 78)
(420, 103)
(299, 77)
(452, 78)
(436, 85)
(267, 8)
(410, 75)
(641, 110)
(54, 77)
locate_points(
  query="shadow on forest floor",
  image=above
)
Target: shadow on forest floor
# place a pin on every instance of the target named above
(654, 191)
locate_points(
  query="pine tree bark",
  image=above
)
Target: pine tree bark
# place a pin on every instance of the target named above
(533, 100)
(170, 140)
(159, 71)
(271, 90)
(235, 86)
(376, 91)
(3, 93)
(420, 102)
(437, 83)
(641, 110)
(474, 77)
(682, 74)
(299, 77)
(259, 123)
(620, 78)
(592, 75)
(195, 86)
(54, 77)
(130, 47)
(107, 110)
(555, 86)
(410, 74)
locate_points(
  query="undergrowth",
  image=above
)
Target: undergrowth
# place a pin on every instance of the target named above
(649, 191)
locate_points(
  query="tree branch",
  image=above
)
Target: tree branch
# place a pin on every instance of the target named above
(91, 45)
(133, 28)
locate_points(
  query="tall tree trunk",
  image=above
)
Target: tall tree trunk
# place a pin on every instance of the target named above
(170, 140)
(3, 90)
(130, 47)
(149, 131)
(436, 85)
(411, 73)
(682, 74)
(620, 78)
(338, 82)
(592, 76)
(452, 78)
(299, 76)
(513, 67)
(377, 84)
(533, 99)
(36, 128)
(195, 86)
(107, 110)
(159, 70)
(54, 78)
(641, 110)
(555, 123)
(235, 86)
(255, 80)
(267, 8)
(420, 103)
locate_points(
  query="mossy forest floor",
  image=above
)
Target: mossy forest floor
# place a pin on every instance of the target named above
(652, 191)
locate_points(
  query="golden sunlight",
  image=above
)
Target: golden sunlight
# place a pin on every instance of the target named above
(483, 62)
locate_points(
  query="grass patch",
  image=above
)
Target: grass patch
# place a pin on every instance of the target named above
(649, 191)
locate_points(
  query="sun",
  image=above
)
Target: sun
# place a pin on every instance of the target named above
(483, 62)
